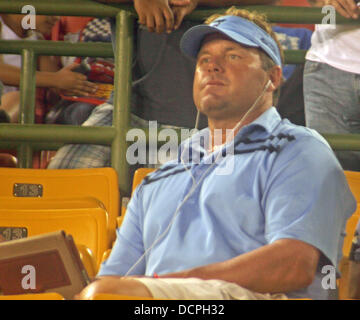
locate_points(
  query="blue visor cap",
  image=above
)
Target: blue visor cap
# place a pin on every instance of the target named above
(238, 29)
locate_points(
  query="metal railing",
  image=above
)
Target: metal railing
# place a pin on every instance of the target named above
(27, 137)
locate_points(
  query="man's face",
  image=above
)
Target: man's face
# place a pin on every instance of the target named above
(228, 78)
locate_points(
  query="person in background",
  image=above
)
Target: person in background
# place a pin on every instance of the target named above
(75, 109)
(64, 79)
(292, 37)
(332, 79)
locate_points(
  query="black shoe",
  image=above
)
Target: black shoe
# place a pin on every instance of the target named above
(4, 117)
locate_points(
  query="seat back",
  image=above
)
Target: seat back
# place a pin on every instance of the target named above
(86, 223)
(100, 183)
(350, 230)
(139, 175)
(34, 296)
(353, 179)
(88, 260)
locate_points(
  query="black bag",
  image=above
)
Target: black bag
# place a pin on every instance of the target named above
(291, 100)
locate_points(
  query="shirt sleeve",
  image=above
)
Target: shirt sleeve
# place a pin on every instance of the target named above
(307, 197)
(127, 254)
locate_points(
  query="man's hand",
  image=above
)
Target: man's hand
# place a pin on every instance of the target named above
(157, 14)
(73, 83)
(181, 11)
(346, 8)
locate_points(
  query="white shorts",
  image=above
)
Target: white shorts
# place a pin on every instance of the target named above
(198, 289)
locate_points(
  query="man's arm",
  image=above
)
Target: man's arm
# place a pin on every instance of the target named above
(296, 206)
(282, 266)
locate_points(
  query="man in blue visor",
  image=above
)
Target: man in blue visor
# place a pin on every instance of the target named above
(254, 207)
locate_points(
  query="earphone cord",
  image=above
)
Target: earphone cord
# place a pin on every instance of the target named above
(232, 130)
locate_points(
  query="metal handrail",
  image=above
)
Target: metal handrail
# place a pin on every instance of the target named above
(89, 8)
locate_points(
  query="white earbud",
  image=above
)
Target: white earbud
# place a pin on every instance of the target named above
(269, 83)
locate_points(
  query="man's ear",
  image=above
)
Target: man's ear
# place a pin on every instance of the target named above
(275, 76)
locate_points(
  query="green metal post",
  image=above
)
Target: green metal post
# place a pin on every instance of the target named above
(84, 8)
(122, 98)
(27, 103)
(27, 87)
(24, 155)
(49, 133)
(343, 141)
(59, 48)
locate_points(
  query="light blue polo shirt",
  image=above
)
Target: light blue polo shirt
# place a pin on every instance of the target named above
(283, 182)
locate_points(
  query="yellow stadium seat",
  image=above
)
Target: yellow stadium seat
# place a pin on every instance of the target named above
(86, 221)
(350, 230)
(353, 179)
(100, 183)
(88, 260)
(33, 296)
(344, 263)
(139, 175)
(120, 219)
(106, 255)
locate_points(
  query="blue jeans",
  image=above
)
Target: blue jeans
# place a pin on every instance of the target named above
(76, 113)
(332, 105)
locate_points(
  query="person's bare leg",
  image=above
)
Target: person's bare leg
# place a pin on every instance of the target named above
(115, 285)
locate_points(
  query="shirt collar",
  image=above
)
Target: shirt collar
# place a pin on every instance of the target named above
(265, 123)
